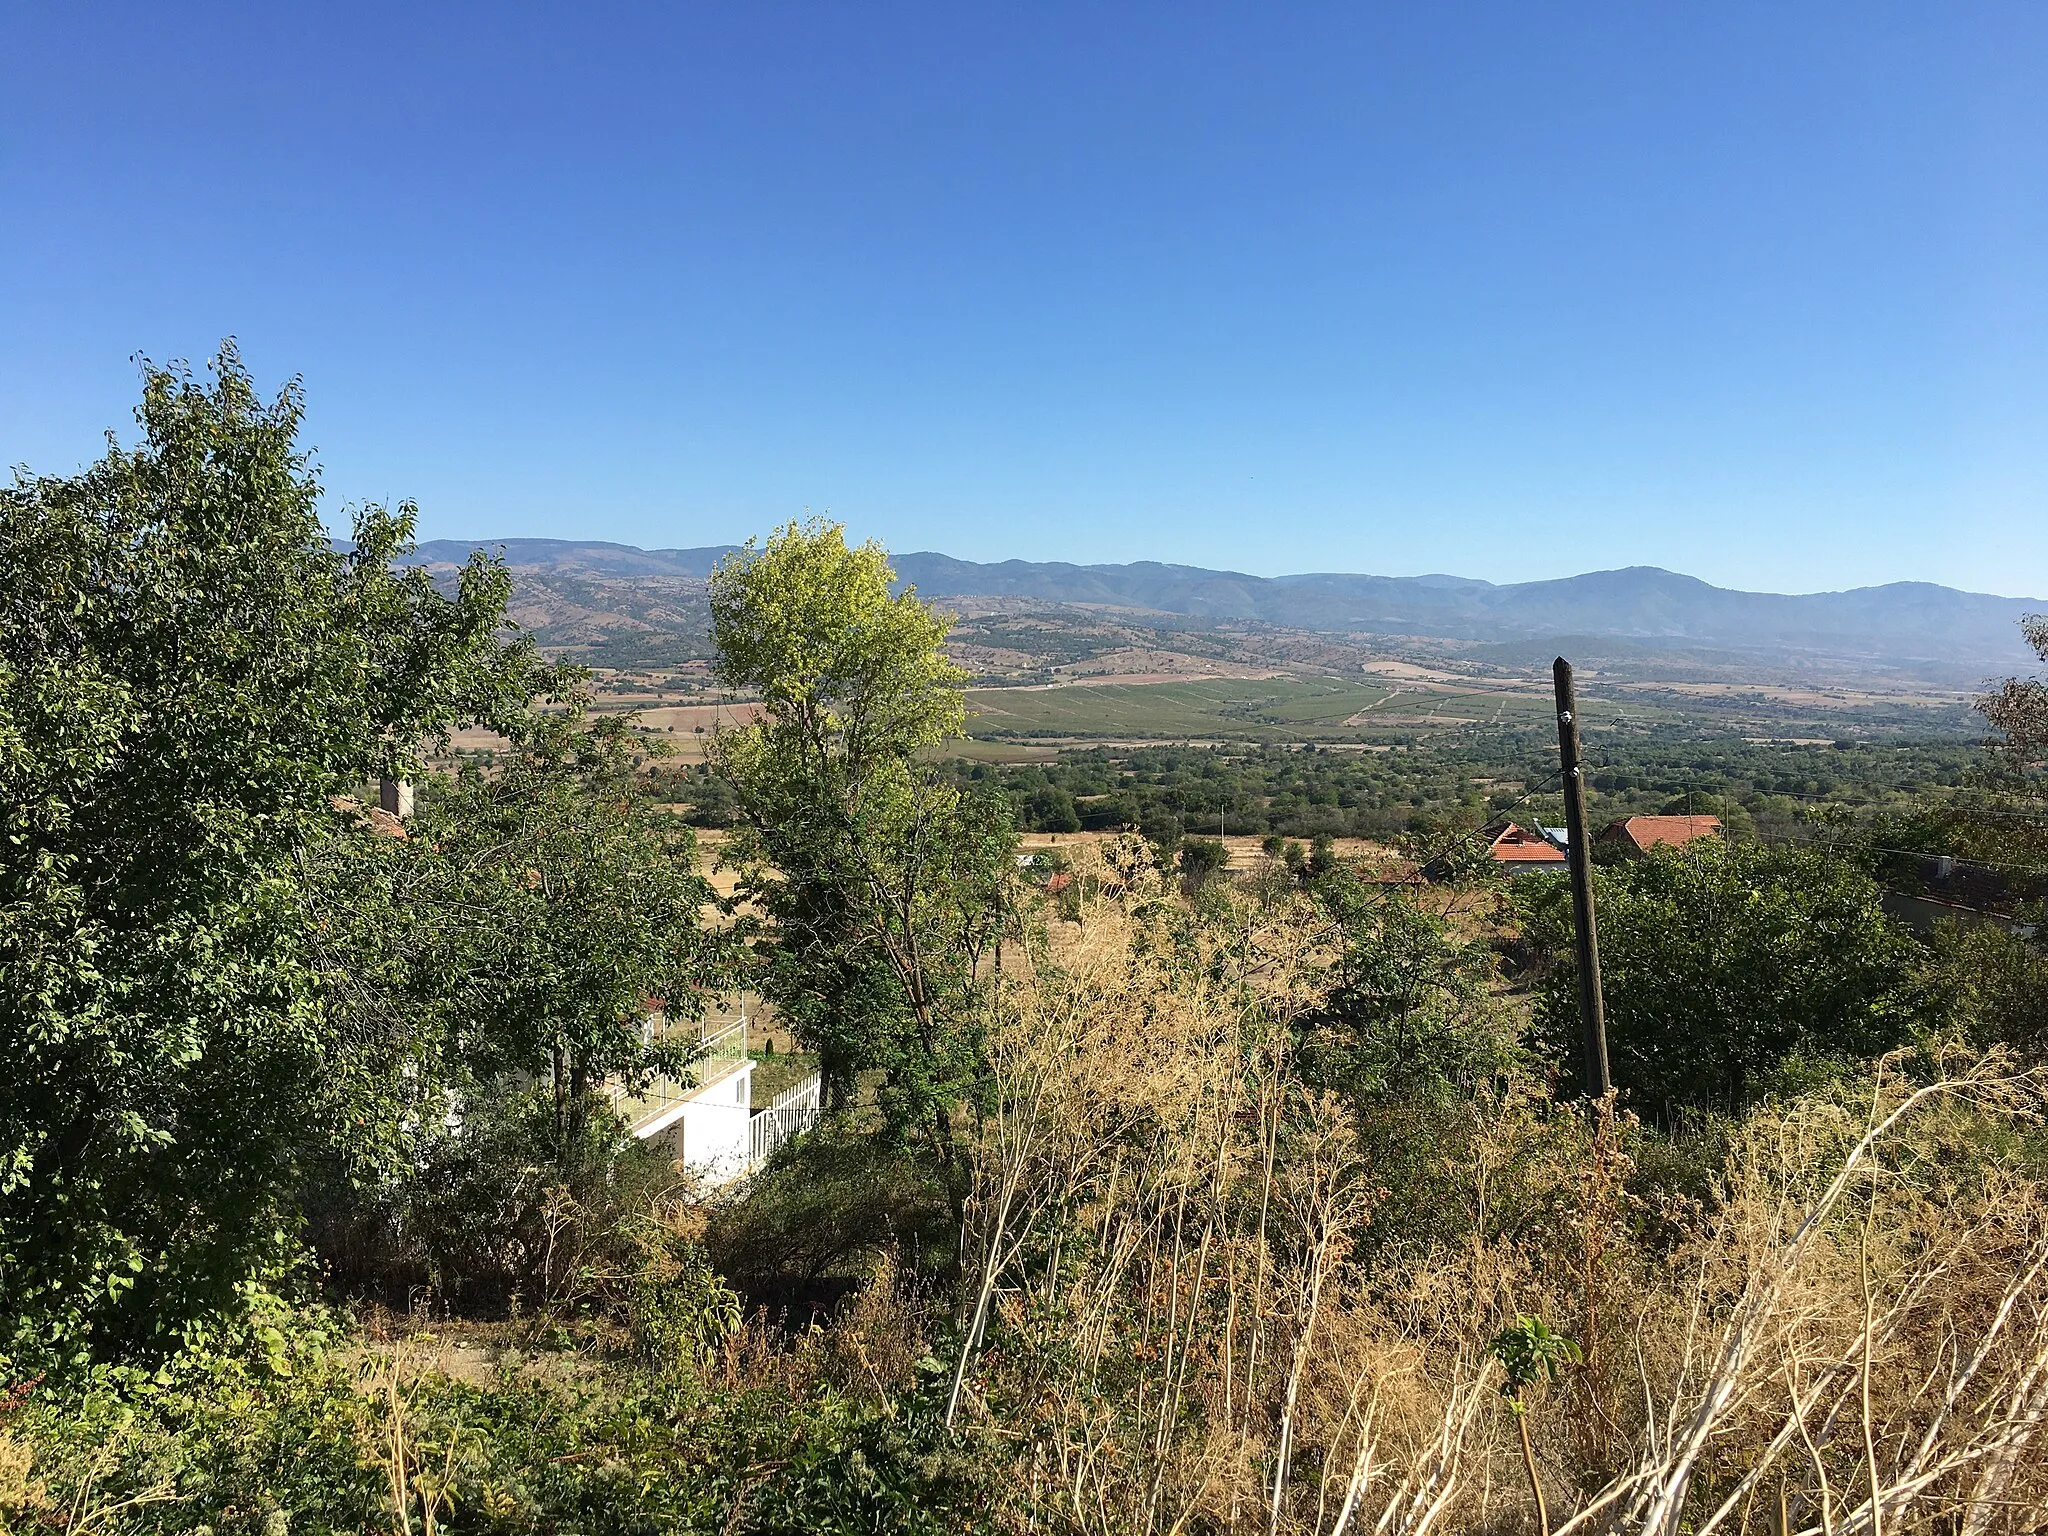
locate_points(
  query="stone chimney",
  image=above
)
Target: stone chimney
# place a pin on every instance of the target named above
(394, 796)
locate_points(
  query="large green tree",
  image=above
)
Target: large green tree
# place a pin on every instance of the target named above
(567, 909)
(1719, 962)
(538, 942)
(190, 673)
(882, 881)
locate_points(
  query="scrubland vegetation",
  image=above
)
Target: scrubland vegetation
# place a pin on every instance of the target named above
(1766, 790)
(1150, 1197)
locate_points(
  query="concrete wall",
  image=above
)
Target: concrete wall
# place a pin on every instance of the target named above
(709, 1132)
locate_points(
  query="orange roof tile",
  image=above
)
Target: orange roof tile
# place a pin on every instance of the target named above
(1670, 831)
(1517, 845)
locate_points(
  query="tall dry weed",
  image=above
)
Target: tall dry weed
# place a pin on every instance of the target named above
(1858, 1332)
(1174, 1326)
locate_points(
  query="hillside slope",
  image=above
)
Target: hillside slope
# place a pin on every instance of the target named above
(597, 588)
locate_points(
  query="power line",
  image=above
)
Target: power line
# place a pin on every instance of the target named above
(1956, 858)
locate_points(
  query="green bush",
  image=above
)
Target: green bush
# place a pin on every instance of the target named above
(1722, 964)
(826, 1209)
(326, 1441)
(679, 1308)
(1989, 985)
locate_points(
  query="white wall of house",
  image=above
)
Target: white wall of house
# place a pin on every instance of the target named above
(708, 1131)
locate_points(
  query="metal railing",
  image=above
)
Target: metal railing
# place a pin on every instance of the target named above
(789, 1114)
(718, 1052)
(722, 1049)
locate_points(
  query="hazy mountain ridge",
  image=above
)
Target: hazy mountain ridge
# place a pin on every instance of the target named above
(1901, 623)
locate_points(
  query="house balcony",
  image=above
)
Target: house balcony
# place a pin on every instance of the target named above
(705, 1119)
(721, 1058)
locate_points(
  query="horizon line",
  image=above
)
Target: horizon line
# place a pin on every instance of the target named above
(678, 549)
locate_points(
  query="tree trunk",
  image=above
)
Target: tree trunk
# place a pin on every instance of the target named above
(1535, 1482)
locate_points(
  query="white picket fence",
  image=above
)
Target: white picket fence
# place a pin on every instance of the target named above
(790, 1113)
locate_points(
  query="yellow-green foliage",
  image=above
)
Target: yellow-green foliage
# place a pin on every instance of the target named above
(883, 880)
(811, 627)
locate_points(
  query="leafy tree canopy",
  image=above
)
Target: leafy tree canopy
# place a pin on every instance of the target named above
(883, 879)
(565, 910)
(1720, 961)
(2018, 707)
(190, 673)
(853, 678)
(1408, 1015)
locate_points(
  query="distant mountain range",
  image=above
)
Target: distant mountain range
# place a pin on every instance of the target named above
(1906, 623)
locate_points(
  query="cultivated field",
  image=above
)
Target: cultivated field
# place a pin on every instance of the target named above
(1265, 709)
(1418, 705)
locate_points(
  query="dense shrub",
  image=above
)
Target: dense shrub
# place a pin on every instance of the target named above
(824, 1212)
(1720, 964)
(1182, 1318)
(386, 1439)
(1989, 984)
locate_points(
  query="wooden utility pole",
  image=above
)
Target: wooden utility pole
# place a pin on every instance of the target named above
(1586, 938)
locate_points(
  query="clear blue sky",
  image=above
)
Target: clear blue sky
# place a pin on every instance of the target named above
(1755, 291)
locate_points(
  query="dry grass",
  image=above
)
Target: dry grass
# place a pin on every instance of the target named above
(1172, 1330)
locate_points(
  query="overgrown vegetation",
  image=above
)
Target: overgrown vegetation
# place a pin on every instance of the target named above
(1726, 968)
(1154, 1196)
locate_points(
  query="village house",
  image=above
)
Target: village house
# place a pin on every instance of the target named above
(1517, 848)
(1634, 835)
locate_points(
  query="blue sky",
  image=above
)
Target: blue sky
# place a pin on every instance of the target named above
(1758, 292)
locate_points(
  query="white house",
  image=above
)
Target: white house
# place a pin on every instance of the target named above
(706, 1119)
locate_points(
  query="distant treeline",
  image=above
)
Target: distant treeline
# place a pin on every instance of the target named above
(1758, 788)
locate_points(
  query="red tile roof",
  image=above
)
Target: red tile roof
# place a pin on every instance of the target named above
(1517, 845)
(1670, 831)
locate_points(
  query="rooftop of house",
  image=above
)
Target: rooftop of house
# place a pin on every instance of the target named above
(1653, 831)
(376, 818)
(1512, 844)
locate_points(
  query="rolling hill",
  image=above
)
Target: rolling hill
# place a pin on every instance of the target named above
(580, 591)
